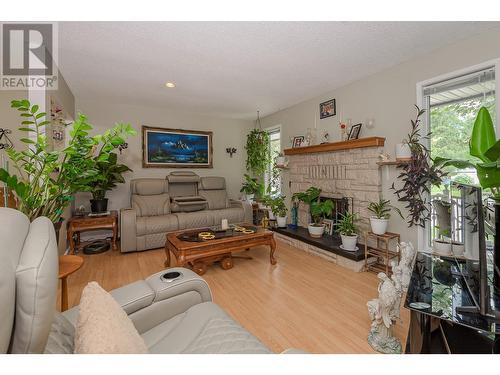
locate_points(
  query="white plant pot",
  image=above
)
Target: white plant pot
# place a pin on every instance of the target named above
(349, 242)
(443, 248)
(379, 226)
(403, 151)
(271, 215)
(458, 249)
(281, 220)
(316, 231)
(249, 197)
(281, 161)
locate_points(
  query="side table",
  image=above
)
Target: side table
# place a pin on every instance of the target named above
(68, 264)
(381, 251)
(78, 224)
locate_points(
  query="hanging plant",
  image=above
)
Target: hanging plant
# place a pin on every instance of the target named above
(258, 152)
(418, 175)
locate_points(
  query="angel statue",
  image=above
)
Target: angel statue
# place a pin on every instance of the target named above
(384, 310)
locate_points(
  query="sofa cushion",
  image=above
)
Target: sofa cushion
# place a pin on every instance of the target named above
(198, 219)
(216, 199)
(156, 224)
(103, 327)
(213, 183)
(148, 186)
(188, 204)
(233, 215)
(204, 328)
(151, 205)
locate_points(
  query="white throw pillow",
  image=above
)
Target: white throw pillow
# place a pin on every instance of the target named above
(103, 327)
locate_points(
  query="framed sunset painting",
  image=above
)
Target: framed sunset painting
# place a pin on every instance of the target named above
(176, 148)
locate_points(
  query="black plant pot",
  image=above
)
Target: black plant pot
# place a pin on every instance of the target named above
(57, 228)
(99, 205)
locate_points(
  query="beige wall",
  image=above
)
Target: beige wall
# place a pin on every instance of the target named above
(227, 133)
(388, 97)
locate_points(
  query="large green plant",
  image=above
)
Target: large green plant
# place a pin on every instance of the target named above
(251, 185)
(258, 152)
(276, 204)
(109, 174)
(346, 225)
(484, 146)
(45, 180)
(310, 195)
(321, 210)
(417, 176)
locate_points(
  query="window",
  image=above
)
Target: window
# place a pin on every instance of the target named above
(452, 105)
(272, 177)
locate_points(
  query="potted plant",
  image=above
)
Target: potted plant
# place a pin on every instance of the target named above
(45, 179)
(279, 209)
(109, 173)
(347, 230)
(250, 187)
(319, 210)
(417, 176)
(307, 197)
(381, 214)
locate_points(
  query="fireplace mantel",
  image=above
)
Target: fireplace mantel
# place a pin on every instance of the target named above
(337, 146)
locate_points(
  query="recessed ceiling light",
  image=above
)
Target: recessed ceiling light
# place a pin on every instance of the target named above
(170, 85)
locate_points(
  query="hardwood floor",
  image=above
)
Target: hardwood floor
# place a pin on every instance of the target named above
(303, 302)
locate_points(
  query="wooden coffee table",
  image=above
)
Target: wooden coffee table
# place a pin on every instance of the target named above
(199, 255)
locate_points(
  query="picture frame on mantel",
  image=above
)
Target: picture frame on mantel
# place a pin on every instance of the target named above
(327, 109)
(354, 132)
(176, 148)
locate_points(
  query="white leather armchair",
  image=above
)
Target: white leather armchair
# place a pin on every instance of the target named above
(173, 313)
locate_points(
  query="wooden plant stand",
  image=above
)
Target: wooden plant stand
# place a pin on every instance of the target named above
(381, 252)
(78, 224)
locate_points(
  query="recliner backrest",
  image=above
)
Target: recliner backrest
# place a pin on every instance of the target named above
(28, 282)
(150, 196)
(213, 189)
(183, 184)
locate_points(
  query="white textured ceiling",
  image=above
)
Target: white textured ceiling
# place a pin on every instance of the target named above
(231, 69)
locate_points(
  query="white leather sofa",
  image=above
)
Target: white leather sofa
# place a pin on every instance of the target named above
(176, 316)
(155, 211)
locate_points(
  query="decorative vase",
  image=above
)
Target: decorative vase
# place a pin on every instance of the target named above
(272, 216)
(295, 216)
(349, 242)
(99, 205)
(379, 226)
(281, 220)
(316, 231)
(403, 151)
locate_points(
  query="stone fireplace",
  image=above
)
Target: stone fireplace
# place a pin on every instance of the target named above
(342, 170)
(351, 173)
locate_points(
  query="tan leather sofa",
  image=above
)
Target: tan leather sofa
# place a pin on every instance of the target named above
(158, 206)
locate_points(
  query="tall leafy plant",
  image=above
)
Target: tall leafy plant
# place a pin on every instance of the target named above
(417, 176)
(45, 180)
(258, 152)
(484, 146)
(109, 174)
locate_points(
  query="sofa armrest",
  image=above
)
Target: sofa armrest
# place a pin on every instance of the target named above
(128, 230)
(154, 300)
(168, 298)
(247, 209)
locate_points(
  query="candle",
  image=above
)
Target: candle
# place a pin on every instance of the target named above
(224, 224)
